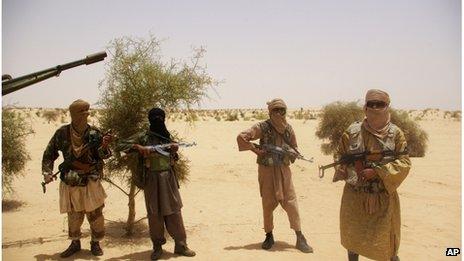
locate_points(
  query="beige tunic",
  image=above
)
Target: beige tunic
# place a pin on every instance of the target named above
(81, 198)
(376, 235)
(275, 182)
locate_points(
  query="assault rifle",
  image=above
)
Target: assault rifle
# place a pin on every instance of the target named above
(282, 151)
(44, 184)
(161, 148)
(385, 156)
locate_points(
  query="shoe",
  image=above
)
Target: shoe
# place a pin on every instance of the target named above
(302, 245)
(182, 249)
(157, 252)
(352, 256)
(395, 258)
(95, 248)
(73, 248)
(268, 242)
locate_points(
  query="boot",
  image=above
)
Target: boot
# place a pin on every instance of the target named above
(268, 242)
(157, 252)
(182, 249)
(301, 243)
(73, 248)
(95, 248)
(352, 256)
(395, 258)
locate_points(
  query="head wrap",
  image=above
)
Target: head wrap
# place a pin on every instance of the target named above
(278, 121)
(79, 106)
(156, 117)
(79, 110)
(377, 120)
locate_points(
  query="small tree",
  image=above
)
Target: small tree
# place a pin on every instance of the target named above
(14, 154)
(136, 81)
(337, 116)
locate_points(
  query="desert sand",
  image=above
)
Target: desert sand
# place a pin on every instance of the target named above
(222, 205)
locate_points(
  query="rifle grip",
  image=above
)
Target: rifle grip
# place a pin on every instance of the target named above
(44, 188)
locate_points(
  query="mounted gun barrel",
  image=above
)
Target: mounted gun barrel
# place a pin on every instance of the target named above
(10, 84)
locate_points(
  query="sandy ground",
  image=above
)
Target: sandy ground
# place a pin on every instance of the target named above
(222, 206)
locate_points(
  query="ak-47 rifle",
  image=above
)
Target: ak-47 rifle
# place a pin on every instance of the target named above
(161, 148)
(383, 156)
(44, 184)
(281, 151)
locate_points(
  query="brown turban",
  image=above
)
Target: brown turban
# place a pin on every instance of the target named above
(79, 111)
(377, 120)
(278, 121)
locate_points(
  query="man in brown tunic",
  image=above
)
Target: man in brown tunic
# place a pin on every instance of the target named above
(370, 209)
(162, 198)
(274, 174)
(81, 193)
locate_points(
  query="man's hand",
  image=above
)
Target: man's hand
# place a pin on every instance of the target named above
(142, 150)
(48, 178)
(174, 148)
(368, 174)
(258, 152)
(340, 174)
(106, 141)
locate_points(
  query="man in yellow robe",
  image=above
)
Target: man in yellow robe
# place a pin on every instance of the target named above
(370, 209)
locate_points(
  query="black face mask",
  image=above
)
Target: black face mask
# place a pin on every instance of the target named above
(156, 118)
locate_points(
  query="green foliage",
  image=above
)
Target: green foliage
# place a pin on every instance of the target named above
(335, 119)
(337, 116)
(138, 80)
(14, 154)
(415, 136)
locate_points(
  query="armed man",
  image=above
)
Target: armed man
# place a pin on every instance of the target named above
(156, 176)
(81, 193)
(274, 174)
(370, 208)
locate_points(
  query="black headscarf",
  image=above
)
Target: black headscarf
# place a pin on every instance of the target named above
(156, 117)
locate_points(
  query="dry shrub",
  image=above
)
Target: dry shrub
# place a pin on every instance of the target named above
(14, 154)
(338, 116)
(51, 115)
(231, 116)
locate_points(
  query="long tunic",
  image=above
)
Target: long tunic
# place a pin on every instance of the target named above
(374, 235)
(161, 188)
(76, 198)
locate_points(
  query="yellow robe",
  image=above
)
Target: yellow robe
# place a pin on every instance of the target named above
(376, 235)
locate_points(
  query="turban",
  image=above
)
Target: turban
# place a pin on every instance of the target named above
(278, 121)
(377, 120)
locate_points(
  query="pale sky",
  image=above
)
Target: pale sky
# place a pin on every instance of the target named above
(310, 53)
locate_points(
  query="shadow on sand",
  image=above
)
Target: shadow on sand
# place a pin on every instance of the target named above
(84, 254)
(10, 205)
(278, 246)
(143, 255)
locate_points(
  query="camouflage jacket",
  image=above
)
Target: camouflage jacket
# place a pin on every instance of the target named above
(61, 141)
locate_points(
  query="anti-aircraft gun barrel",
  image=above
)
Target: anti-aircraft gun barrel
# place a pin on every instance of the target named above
(10, 84)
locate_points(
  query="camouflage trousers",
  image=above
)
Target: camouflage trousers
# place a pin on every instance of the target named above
(95, 219)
